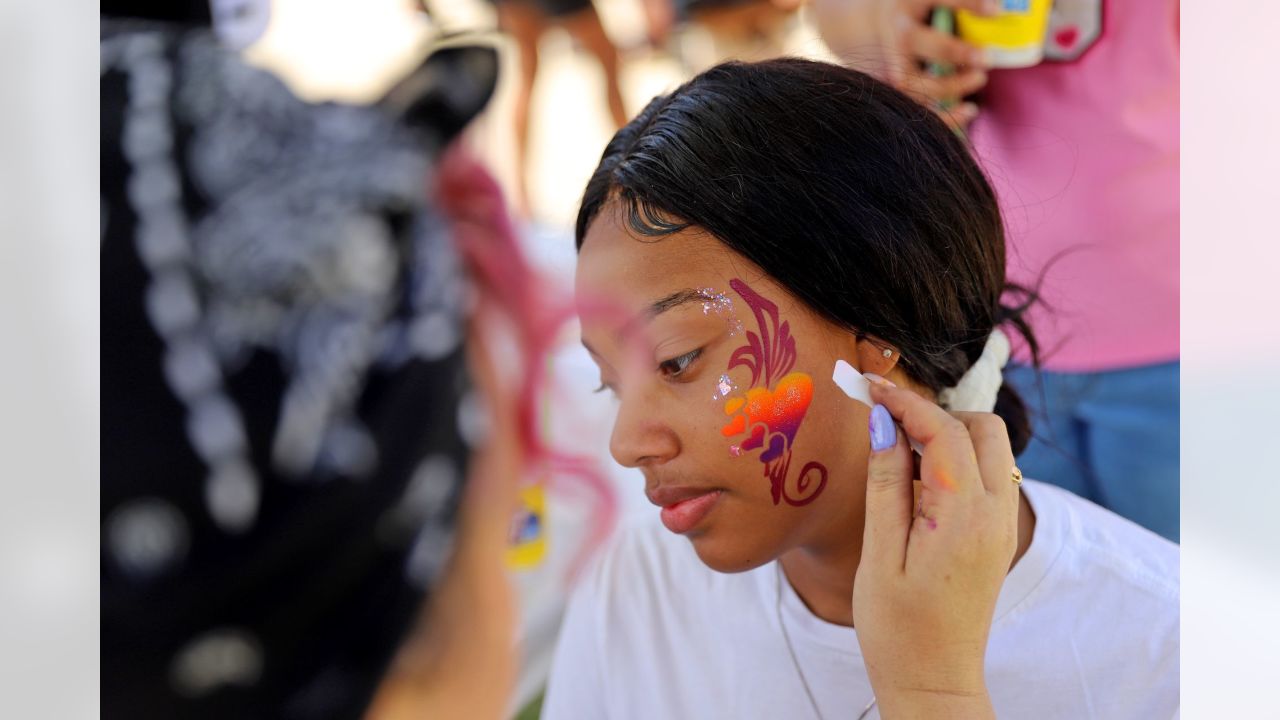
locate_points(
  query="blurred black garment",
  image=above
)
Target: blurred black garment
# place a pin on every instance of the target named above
(553, 8)
(284, 390)
(186, 12)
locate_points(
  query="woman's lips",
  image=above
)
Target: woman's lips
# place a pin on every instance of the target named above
(682, 516)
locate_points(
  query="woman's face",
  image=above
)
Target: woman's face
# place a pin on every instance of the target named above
(725, 397)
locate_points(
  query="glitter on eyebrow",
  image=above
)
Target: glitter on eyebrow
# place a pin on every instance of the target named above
(722, 305)
(714, 301)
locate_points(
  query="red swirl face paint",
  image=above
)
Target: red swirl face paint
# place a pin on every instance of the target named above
(774, 406)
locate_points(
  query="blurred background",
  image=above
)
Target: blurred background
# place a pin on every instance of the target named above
(337, 50)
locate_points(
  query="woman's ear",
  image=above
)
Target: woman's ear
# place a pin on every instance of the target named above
(876, 356)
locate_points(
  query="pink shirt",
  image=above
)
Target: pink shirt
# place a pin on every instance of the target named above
(1083, 151)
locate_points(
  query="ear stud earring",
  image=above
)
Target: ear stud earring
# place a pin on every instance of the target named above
(888, 353)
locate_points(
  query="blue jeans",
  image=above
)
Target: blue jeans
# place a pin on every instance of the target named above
(1111, 437)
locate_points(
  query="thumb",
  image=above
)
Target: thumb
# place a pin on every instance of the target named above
(889, 492)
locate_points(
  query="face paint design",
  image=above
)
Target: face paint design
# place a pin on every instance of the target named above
(724, 387)
(771, 417)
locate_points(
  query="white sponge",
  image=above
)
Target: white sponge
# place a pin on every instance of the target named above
(852, 382)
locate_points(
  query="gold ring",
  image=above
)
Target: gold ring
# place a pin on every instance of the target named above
(1017, 475)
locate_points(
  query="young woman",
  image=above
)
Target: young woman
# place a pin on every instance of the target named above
(759, 224)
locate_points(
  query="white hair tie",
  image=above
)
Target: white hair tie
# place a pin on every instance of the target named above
(976, 391)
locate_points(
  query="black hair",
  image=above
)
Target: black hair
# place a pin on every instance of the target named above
(857, 199)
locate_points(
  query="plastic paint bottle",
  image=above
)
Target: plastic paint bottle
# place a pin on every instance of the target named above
(1014, 38)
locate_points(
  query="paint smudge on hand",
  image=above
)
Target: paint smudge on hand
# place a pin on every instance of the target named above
(930, 522)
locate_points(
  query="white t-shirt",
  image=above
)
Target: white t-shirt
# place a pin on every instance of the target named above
(1086, 626)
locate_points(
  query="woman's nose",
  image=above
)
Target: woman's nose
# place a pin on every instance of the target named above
(641, 436)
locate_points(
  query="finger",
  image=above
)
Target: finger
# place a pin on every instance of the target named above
(990, 438)
(957, 117)
(948, 88)
(889, 492)
(928, 44)
(979, 7)
(948, 462)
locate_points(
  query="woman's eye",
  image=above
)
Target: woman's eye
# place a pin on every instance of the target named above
(676, 366)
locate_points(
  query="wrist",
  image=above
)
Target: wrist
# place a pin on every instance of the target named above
(951, 688)
(960, 703)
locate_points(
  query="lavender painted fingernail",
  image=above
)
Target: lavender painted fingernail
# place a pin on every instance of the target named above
(884, 434)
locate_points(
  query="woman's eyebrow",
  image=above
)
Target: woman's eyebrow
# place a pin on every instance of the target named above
(676, 299)
(656, 308)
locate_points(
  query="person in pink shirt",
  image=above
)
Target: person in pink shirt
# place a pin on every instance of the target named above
(1083, 152)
